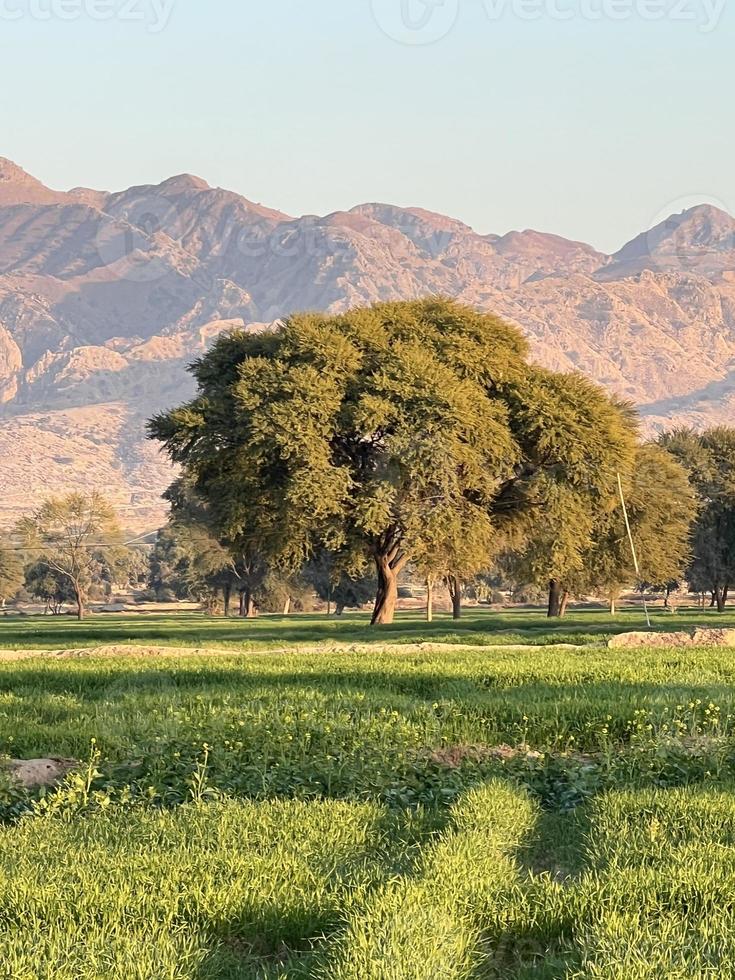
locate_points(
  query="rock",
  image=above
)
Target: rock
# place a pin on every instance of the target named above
(34, 773)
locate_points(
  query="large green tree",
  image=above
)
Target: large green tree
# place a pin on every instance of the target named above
(709, 458)
(367, 432)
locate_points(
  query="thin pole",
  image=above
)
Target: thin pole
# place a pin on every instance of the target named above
(632, 546)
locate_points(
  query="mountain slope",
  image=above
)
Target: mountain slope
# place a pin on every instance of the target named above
(105, 297)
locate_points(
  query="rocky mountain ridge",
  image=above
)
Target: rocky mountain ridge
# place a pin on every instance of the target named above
(105, 297)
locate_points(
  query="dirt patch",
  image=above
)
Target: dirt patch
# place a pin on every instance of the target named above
(119, 650)
(684, 638)
(35, 773)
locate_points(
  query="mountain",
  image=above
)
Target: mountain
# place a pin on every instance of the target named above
(105, 298)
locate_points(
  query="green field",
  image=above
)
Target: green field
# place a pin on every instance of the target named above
(477, 626)
(368, 814)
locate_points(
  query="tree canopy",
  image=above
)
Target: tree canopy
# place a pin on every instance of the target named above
(11, 570)
(709, 458)
(371, 432)
(583, 547)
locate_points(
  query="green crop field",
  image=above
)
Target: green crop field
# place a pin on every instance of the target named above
(372, 810)
(477, 626)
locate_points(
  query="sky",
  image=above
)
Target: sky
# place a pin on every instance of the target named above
(592, 119)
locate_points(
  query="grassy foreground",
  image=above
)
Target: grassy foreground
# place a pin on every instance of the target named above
(370, 815)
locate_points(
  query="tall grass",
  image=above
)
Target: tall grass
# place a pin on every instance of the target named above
(426, 926)
(232, 889)
(497, 814)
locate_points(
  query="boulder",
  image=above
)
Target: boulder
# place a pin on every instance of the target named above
(35, 773)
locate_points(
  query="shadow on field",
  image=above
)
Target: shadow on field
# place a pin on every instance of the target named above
(477, 626)
(95, 681)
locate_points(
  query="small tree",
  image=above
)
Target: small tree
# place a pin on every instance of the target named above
(591, 551)
(70, 536)
(661, 509)
(11, 571)
(548, 550)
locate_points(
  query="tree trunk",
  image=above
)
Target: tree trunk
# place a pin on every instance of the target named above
(226, 597)
(721, 599)
(455, 593)
(564, 603)
(613, 605)
(713, 601)
(80, 607)
(287, 606)
(339, 609)
(554, 610)
(387, 592)
(429, 600)
(247, 605)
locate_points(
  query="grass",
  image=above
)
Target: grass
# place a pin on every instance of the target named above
(478, 626)
(203, 891)
(487, 814)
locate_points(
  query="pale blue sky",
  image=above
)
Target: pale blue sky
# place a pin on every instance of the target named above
(591, 128)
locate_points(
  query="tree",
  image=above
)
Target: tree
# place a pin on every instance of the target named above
(168, 565)
(661, 509)
(334, 586)
(591, 552)
(548, 549)
(709, 459)
(454, 552)
(189, 562)
(11, 571)
(365, 433)
(70, 536)
(52, 588)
